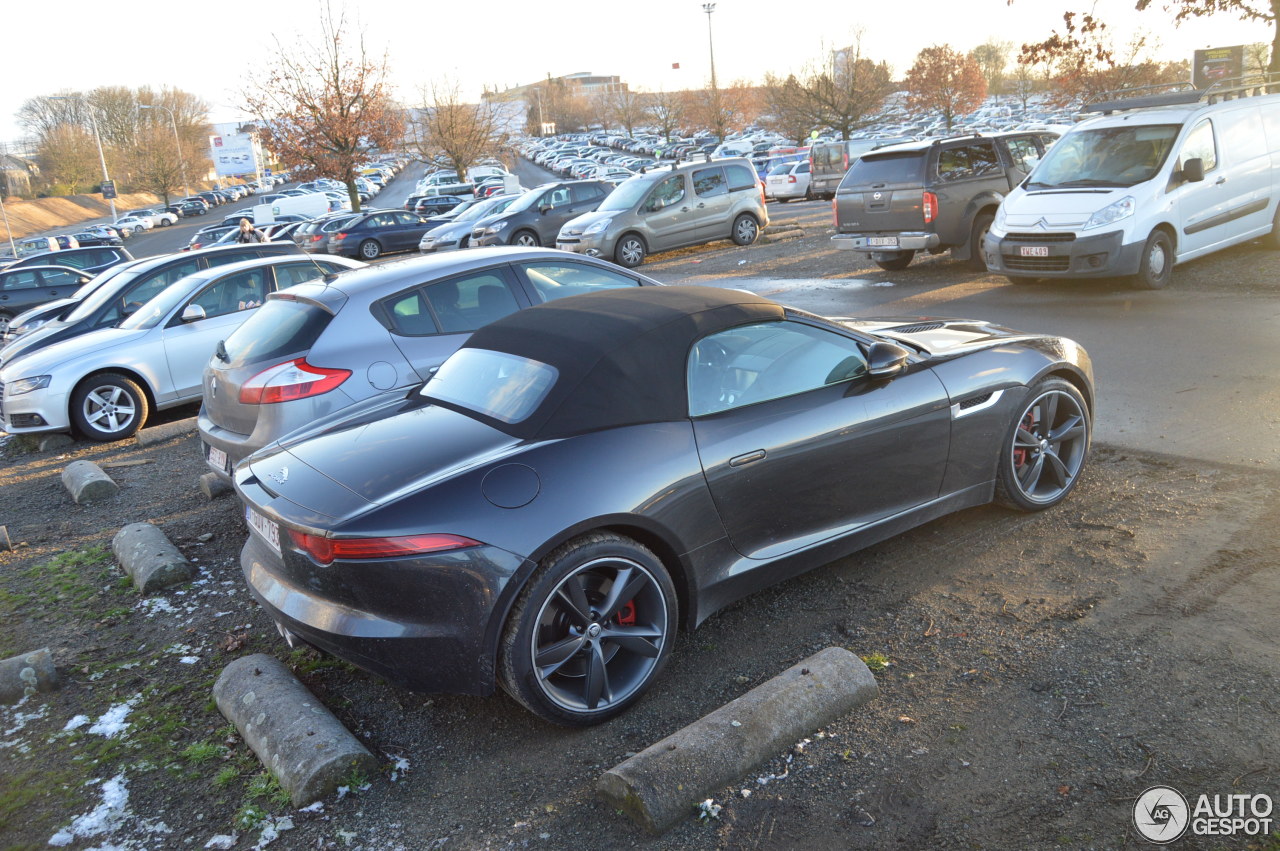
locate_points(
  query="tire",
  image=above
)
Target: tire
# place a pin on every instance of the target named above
(1044, 447)
(108, 406)
(893, 261)
(981, 224)
(5, 319)
(1020, 280)
(370, 249)
(587, 675)
(526, 239)
(1272, 240)
(629, 251)
(1156, 267)
(745, 230)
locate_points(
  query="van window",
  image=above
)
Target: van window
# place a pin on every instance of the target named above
(709, 182)
(1025, 154)
(666, 193)
(1200, 144)
(739, 177)
(1106, 156)
(968, 161)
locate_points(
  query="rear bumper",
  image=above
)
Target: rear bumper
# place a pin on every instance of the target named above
(424, 623)
(1062, 255)
(911, 241)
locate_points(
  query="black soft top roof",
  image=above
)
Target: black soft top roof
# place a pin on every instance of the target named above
(621, 354)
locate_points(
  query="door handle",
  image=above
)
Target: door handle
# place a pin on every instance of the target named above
(747, 458)
(700, 206)
(684, 209)
(1221, 180)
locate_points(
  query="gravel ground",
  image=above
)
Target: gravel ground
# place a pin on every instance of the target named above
(1037, 671)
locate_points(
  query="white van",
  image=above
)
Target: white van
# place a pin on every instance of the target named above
(1151, 182)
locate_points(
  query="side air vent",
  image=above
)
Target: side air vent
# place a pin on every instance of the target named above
(917, 328)
(974, 402)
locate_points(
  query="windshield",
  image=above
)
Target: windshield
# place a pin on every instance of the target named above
(485, 208)
(1106, 156)
(525, 201)
(494, 384)
(150, 314)
(627, 195)
(99, 296)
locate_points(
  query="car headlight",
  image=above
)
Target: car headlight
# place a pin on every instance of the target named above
(495, 227)
(597, 227)
(26, 385)
(1121, 209)
(1000, 220)
(26, 327)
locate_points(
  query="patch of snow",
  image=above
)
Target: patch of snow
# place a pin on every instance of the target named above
(112, 723)
(76, 723)
(106, 816)
(223, 841)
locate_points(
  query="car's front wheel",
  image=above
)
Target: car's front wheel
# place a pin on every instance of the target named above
(526, 239)
(981, 224)
(629, 251)
(745, 230)
(1156, 267)
(1044, 448)
(370, 249)
(108, 406)
(893, 261)
(590, 632)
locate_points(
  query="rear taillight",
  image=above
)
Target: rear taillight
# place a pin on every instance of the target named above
(845, 159)
(339, 236)
(835, 213)
(295, 379)
(791, 178)
(327, 550)
(316, 237)
(929, 203)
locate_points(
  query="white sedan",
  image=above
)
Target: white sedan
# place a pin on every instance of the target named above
(137, 224)
(104, 383)
(788, 181)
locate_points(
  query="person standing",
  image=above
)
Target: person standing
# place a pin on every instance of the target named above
(248, 233)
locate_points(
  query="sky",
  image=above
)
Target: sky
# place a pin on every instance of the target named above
(502, 43)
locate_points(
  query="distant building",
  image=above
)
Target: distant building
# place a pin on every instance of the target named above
(16, 174)
(583, 82)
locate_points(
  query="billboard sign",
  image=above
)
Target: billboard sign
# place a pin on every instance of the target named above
(1217, 63)
(233, 155)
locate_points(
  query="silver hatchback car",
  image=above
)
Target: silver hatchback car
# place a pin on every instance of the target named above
(325, 346)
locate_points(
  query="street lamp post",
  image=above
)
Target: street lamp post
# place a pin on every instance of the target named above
(177, 144)
(709, 8)
(93, 118)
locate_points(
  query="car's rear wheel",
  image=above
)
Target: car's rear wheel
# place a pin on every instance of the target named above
(526, 239)
(1156, 266)
(893, 261)
(629, 251)
(370, 249)
(745, 229)
(108, 406)
(590, 632)
(981, 224)
(1044, 448)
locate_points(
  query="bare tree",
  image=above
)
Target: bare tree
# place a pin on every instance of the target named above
(992, 57)
(849, 89)
(1025, 82)
(1257, 57)
(667, 111)
(68, 158)
(445, 124)
(324, 107)
(723, 109)
(787, 106)
(1086, 63)
(945, 81)
(626, 108)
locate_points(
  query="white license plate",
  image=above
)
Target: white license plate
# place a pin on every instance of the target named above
(1033, 251)
(883, 241)
(268, 529)
(218, 458)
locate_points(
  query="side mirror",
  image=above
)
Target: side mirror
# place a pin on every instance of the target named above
(886, 359)
(544, 209)
(1193, 170)
(193, 313)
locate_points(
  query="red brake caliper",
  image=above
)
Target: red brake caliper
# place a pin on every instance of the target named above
(627, 614)
(1020, 455)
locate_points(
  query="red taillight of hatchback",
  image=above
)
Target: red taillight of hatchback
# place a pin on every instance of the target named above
(295, 379)
(327, 550)
(317, 237)
(339, 236)
(929, 203)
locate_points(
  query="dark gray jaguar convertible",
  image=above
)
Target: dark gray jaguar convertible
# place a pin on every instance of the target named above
(583, 476)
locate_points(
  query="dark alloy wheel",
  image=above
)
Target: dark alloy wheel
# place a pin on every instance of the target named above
(370, 249)
(1156, 267)
(630, 251)
(981, 224)
(1045, 449)
(745, 230)
(526, 238)
(590, 632)
(108, 406)
(893, 261)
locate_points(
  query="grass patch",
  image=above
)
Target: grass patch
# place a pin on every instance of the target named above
(876, 662)
(198, 753)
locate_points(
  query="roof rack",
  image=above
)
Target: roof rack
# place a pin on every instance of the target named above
(1175, 94)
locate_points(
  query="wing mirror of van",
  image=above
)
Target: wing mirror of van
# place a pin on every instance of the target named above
(1193, 170)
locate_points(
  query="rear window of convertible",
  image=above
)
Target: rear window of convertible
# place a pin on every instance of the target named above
(502, 386)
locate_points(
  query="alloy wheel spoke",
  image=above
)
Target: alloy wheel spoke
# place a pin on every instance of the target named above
(1031, 477)
(1025, 439)
(1058, 469)
(626, 585)
(550, 659)
(574, 597)
(1049, 411)
(1069, 430)
(644, 640)
(597, 679)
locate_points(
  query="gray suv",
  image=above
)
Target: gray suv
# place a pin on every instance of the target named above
(666, 208)
(535, 218)
(931, 195)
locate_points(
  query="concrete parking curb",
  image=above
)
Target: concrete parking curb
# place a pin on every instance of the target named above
(27, 674)
(299, 741)
(87, 483)
(149, 558)
(161, 433)
(212, 486)
(663, 783)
